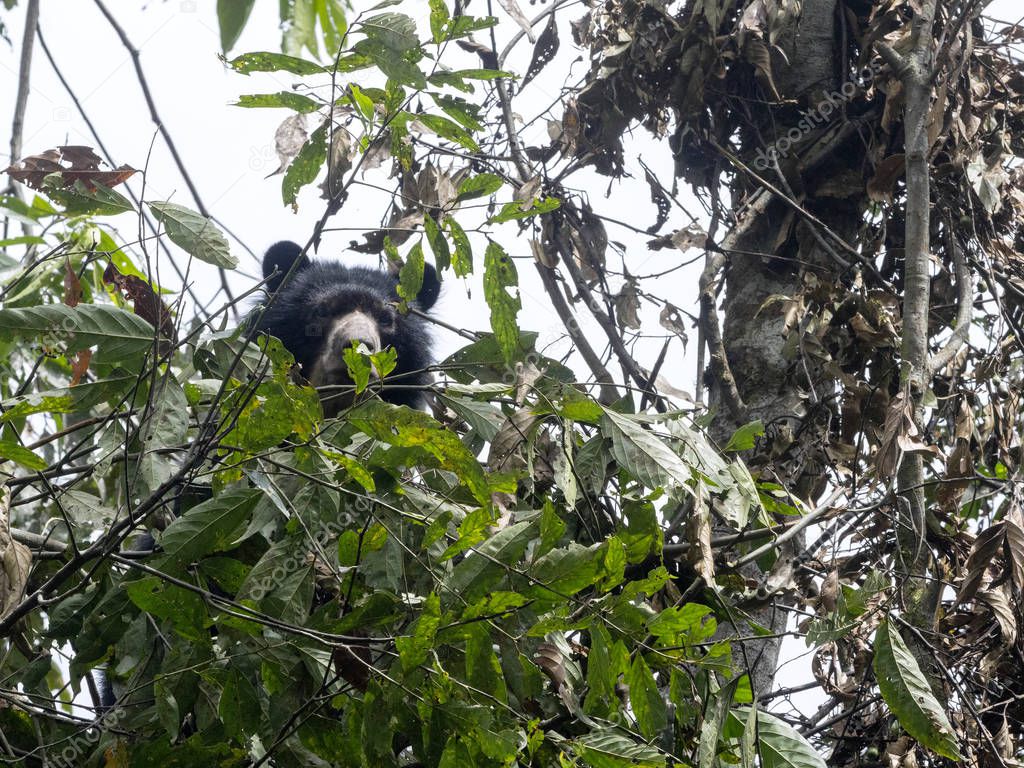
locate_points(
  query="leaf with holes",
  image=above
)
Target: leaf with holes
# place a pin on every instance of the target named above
(906, 691)
(499, 275)
(544, 51)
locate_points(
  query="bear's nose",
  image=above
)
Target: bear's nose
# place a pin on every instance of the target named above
(355, 327)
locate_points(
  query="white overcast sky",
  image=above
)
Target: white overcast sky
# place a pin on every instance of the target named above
(228, 150)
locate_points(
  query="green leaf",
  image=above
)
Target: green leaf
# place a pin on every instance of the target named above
(482, 668)
(457, 78)
(449, 129)
(290, 598)
(675, 622)
(183, 608)
(298, 24)
(385, 361)
(403, 427)
(603, 669)
(17, 453)
(475, 576)
(306, 165)
(648, 705)
(358, 364)
(566, 571)
(332, 23)
(210, 526)
(232, 16)
(80, 397)
(119, 335)
(481, 185)
(438, 19)
(354, 468)
(197, 235)
(462, 260)
(743, 439)
(906, 691)
(552, 528)
(500, 274)
(361, 101)
(410, 276)
(239, 707)
(273, 62)
(466, 25)
(714, 720)
(514, 210)
(778, 744)
(264, 417)
(643, 454)
(438, 244)
(281, 99)
(413, 650)
(80, 200)
(395, 31)
(461, 111)
(395, 64)
(611, 748)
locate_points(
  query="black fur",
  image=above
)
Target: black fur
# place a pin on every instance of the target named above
(312, 296)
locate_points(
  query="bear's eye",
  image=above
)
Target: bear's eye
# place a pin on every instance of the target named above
(387, 319)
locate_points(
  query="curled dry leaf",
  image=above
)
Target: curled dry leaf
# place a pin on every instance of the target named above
(661, 203)
(998, 599)
(701, 555)
(983, 555)
(887, 173)
(627, 306)
(147, 303)
(15, 559)
(671, 319)
(690, 236)
(829, 594)
(512, 9)
(546, 256)
(590, 244)
(899, 436)
(339, 163)
(72, 163)
(544, 50)
(288, 140)
(528, 192)
(72, 285)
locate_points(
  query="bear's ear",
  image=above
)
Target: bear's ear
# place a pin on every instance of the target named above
(430, 289)
(278, 262)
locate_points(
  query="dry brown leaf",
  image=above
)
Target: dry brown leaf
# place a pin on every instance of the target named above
(998, 599)
(72, 285)
(881, 186)
(627, 306)
(289, 137)
(72, 163)
(984, 551)
(148, 305)
(700, 554)
(15, 560)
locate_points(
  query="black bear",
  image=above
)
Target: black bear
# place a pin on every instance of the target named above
(323, 307)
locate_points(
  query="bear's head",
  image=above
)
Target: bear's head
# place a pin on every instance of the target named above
(319, 308)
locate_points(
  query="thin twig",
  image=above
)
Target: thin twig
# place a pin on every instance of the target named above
(24, 79)
(133, 52)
